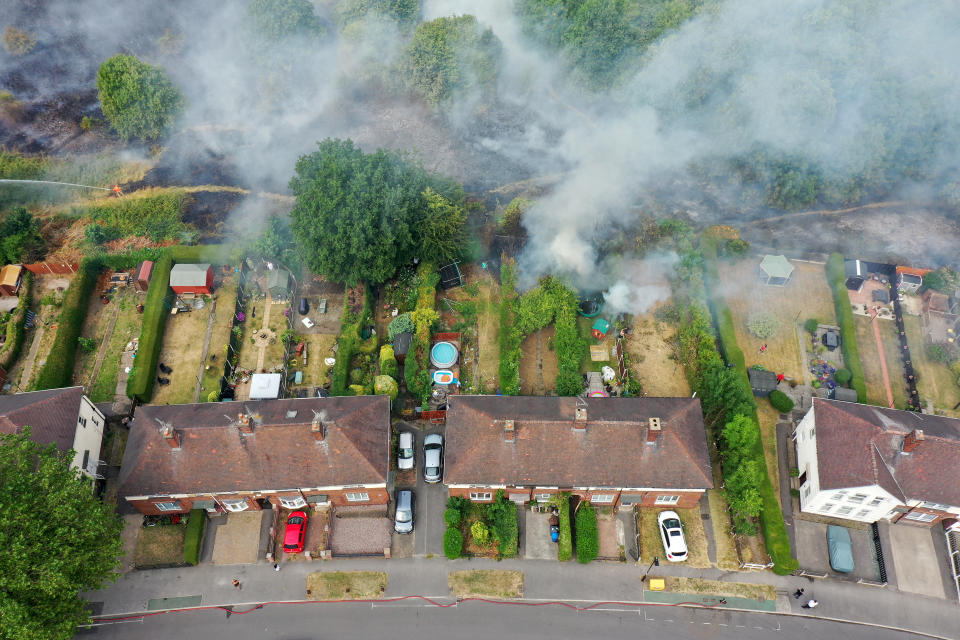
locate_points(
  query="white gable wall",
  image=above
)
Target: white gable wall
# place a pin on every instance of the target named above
(88, 437)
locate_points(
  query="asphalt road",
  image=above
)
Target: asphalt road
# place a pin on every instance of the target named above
(480, 621)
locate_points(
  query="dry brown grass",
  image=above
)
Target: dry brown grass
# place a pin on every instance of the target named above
(935, 382)
(650, 351)
(488, 333)
(536, 381)
(693, 533)
(182, 351)
(486, 584)
(722, 526)
(870, 358)
(723, 589)
(346, 585)
(159, 545)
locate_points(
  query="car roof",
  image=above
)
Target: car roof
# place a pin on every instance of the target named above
(665, 515)
(433, 438)
(404, 498)
(406, 437)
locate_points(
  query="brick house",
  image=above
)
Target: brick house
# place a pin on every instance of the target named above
(867, 463)
(62, 417)
(290, 453)
(609, 451)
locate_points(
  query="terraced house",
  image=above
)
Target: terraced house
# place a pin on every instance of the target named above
(867, 463)
(242, 455)
(614, 452)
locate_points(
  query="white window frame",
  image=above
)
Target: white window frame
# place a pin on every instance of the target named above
(838, 496)
(935, 505)
(877, 501)
(844, 510)
(481, 495)
(667, 500)
(919, 516)
(168, 506)
(358, 496)
(827, 507)
(806, 491)
(543, 497)
(292, 502)
(82, 421)
(862, 513)
(603, 498)
(858, 498)
(235, 505)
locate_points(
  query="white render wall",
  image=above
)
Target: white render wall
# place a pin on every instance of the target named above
(88, 437)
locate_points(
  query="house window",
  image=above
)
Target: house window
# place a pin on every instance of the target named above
(935, 505)
(838, 496)
(86, 459)
(481, 495)
(167, 506)
(876, 502)
(862, 513)
(237, 504)
(844, 511)
(292, 502)
(603, 498)
(806, 492)
(826, 508)
(813, 432)
(921, 517)
(857, 498)
(667, 500)
(359, 496)
(82, 421)
(542, 497)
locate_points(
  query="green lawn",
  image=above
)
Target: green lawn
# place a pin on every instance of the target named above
(219, 336)
(127, 328)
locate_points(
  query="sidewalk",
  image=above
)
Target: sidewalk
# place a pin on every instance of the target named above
(544, 580)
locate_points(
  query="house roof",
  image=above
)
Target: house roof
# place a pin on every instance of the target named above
(189, 275)
(610, 452)
(936, 301)
(601, 324)
(915, 271)
(144, 269)
(265, 386)
(51, 415)
(845, 394)
(10, 274)
(776, 266)
(278, 278)
(911, 278)
(280, 454)
(860, 445)
(854, 268)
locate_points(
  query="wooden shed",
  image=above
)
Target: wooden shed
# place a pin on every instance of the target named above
(10, 277)
(141, 277)
(192, 278)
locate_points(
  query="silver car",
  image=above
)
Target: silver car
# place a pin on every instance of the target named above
(433, 458)
(405, 451)
(403, 521)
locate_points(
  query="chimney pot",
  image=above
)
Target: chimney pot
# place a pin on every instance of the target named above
(172, 436)
(318, 430)
(243, 423)
(580, 419)
(653, 430)
(912, 440)
(509, 431)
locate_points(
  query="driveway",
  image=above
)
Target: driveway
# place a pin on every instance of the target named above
(538, 544)
(915, 560)
(814, 557)
(431, 503)
(237, 541)
(360, 531)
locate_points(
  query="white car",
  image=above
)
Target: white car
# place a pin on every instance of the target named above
(433, 458)
(671, 533)
(405, 451)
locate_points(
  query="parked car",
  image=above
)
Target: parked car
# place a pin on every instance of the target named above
(840, 548)
(403, 521)
(433, 458)
(671, 533)
(304, 307)
(295, 532)
(405, 451)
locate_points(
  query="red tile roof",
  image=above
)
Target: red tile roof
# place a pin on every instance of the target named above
(610, 452)
(51, 415)
(281, 454)
(860, 445)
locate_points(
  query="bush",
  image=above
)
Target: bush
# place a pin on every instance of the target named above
(87, 344)
(154, 321)
(842, 376)
(213, 396)
(811, 325)
(452, 517)
(138, 99)
(565, 541)
(480, 534)
(385, 386)
(452, 543)
(763, 324)
(194, 536)
(781, 401)
(18, 42)
(502, 515)
(836, 276)
(58, 370)
(14, 330)
(588, 537)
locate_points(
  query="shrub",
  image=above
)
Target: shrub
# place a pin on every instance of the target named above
(811, 325)
(14, 330)
(565, 541)
(88, 124)
(357, 390)
(502, 515)
(588, 537)
(58, 370)
(452, 543)
(213, 396)
(842, 376)
(781, 401)
(87, 344)
(836, 276)
(480, 534)
(385, 386)
(18, 42)
(138, 99)
(452, 517)
(154, 321)
(763, 324)
(194, 536)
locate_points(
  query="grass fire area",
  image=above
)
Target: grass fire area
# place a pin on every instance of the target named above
(346, 585)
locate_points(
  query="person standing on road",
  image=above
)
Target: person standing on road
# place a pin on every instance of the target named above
(276, 566)
(798, 593)
(237, 585)
(811, 604)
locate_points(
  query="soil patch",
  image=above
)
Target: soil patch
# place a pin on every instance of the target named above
(159, 546)
(538, 364)
(346, 585)
(486, 584)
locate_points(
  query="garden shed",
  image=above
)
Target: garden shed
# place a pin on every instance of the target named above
(762, 382)
(192, 278)
(600, 329)
(10, 279)
(776, 270)
(141, 277)
(843, 394)
(401, 344)
(278, 284)
(265, 386)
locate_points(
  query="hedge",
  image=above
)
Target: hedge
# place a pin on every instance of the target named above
(565, 541)
(155, 313)
(588, 537)
(15, 329)
(194, 536)
(837, 276)
(781, 401)
(451, 517)
(347, 344)
(452, 543)
(58, 370)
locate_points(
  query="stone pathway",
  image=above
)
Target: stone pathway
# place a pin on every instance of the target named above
(211, 319)
(708, 528)
(31, 356)
(266, 326)
(102, 353)
(883, 361)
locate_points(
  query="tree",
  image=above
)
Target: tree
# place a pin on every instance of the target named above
(20, 239)
(56, 540)
(738, 439)
(451, 57)
(18, 42)
(355, 213)
(512, 223)
(270, 22)
(276, 242)
(405, 12)
(811, 325)
(441, 234)
(598, 38)
(138, 99)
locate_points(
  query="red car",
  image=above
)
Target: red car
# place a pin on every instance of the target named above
(295, 532)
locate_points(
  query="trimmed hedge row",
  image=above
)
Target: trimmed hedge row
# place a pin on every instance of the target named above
(781, 401)
(15, 330)
(837, 276)
(509, 367)
(58, 370)
(155, 314)
(565, 541)
(452, 543)
(194, 536)
(588, 536)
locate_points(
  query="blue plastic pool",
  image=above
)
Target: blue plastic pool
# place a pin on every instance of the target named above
(443, 355)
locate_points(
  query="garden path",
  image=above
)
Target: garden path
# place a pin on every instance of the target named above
(102, 353)
(266, 327)
(883, 360)
(206, 347)
(31, 357)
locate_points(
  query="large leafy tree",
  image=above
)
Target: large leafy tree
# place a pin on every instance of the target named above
(358, 216)
(442, 233)
(56, 540)
(20, 239)
(405, 12)
(138, 99)
(272, 21)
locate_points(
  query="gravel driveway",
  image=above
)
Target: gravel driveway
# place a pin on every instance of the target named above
(359, 535)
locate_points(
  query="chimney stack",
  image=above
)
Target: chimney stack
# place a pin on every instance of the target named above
(653, 430)
(912, 440)
(243, 424)
(580, 419)
(509, 431)
(318, 429)
(172, 436)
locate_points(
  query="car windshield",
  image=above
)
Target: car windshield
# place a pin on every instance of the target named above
(675, 532)
(406, 453)
(295, 520)
(671, 523)
(432, 471)
(403, 515)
